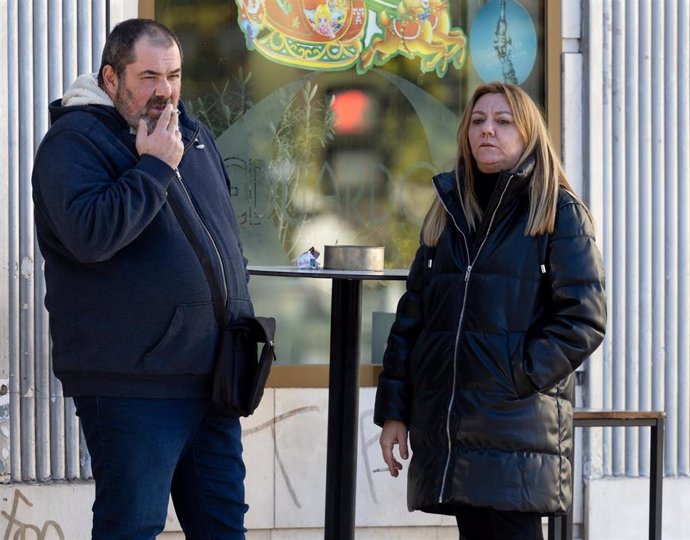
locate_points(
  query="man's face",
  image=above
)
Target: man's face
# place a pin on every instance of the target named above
(148, 84)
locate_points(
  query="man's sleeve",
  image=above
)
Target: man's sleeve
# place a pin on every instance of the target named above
(93, 212)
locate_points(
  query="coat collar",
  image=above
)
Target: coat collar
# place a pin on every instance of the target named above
(508, 191)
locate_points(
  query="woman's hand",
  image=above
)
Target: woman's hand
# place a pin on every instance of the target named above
(394, 432)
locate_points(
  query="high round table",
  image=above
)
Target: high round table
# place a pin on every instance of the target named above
(343, 386)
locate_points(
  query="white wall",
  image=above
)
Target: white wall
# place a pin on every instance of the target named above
(626, 148)
(122, 10)
(619, 509)
(285, 453)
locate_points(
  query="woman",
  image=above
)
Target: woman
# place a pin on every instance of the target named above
(504, 300)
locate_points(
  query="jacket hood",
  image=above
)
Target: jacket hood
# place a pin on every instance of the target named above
(85, 91)
(85, 95)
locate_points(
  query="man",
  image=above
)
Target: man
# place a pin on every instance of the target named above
(131, 311)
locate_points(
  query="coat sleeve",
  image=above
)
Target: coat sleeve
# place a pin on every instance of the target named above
(392, 393)
(93, 210)
(575, 319)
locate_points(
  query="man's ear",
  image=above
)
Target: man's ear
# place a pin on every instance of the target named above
(110, 80)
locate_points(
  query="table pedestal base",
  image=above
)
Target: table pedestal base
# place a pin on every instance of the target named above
(343, 410)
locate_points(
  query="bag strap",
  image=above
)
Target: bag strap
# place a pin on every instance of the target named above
(185, 224)
(202, 255)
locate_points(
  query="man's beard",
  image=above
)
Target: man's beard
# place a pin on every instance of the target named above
(123, 98)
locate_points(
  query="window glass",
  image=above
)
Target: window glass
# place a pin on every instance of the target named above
(332, 117)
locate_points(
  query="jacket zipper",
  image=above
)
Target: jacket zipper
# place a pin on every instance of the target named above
(194, 140)
(468, 273)
(204, 226)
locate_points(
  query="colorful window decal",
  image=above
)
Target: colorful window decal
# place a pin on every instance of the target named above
(335, 35)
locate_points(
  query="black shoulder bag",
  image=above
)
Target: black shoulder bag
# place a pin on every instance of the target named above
(240, 372)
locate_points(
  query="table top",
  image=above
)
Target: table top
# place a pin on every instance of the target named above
(388, 274)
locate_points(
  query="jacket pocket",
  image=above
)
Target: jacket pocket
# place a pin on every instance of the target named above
(484, 362)
(188, 345)
(522, 382)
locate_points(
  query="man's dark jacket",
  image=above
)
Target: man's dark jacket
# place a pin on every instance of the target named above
(131, 311)
(479, 359)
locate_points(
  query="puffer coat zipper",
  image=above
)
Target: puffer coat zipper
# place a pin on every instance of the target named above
(468, 272)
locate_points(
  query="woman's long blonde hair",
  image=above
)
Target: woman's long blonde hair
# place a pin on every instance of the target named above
(548, 172)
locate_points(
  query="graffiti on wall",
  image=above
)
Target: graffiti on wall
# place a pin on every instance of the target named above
(368, 445)
(271, 424)
(15, 525)
(16, 529)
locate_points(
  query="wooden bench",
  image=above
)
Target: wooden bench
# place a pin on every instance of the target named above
(561, 527)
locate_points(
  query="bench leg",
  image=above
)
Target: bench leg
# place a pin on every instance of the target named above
(555, 526)
(656, 476)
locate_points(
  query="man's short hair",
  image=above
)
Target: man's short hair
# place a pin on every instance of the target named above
(119, 45)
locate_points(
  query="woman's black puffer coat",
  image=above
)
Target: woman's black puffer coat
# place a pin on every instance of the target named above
(479, 359)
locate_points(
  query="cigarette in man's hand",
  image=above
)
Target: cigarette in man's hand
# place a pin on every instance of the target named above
(381, 469)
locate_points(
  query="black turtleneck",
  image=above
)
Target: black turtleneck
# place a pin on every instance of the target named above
(484, 184)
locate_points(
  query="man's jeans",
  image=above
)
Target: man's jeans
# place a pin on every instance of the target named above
(142, 450)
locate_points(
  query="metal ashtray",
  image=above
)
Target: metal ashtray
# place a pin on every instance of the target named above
(353, 258)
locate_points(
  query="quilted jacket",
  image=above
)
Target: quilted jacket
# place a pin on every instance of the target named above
(480, 357)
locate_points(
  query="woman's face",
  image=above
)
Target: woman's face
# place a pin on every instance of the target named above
(494, 139)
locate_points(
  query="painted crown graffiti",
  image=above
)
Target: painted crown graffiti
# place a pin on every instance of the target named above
(334, 35)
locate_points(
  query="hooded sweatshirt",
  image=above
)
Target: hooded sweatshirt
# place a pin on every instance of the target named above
(131, 312)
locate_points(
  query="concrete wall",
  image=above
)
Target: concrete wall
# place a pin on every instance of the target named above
(285, 452)
(618, 509)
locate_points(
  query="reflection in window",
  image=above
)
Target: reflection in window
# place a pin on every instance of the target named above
(340, 155)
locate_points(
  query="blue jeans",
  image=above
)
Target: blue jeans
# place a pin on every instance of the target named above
(143, 450)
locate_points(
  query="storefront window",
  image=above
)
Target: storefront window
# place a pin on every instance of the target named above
(332, 116)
